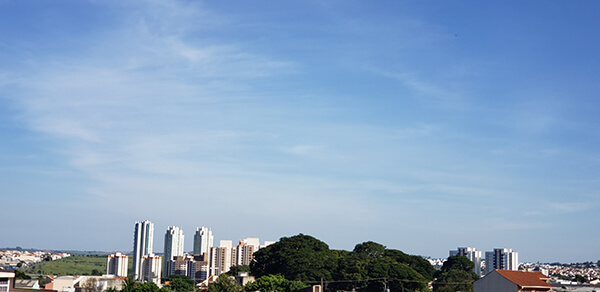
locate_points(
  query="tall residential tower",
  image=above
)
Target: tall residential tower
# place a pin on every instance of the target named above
(203, 240)
(501, 259)
(143, 238)
(173, 245)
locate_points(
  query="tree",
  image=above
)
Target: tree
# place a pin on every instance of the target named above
(224, 283)
(20, 275)
(95, 272)
(272, 283)
(580, 279)
(129, 285)
(369, 250)
(301, 258)
(372, 267)
(369, 267)
(455, 280)
(179, 283)
(419, 264)
(42, 281)
(456, 274)
(236, 270)
(458, 263)
(146, 287)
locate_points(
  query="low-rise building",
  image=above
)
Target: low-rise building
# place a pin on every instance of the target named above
(62, 283)
(117, 264)
(6, 279)
(512, 281)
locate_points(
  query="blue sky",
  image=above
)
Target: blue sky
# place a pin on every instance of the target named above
(422, 125)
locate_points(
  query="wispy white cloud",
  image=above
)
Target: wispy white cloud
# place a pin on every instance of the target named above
(569, 207)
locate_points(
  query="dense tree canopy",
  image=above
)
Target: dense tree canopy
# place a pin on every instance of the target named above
(458, 263)
(300, 258)
(369, 250)
(179, 283)
(372, 267)
(455, 275)
(419, 264)
(224, 283)
(21, 275)
(369, 267)
(131, 285)
(144, 287)
(235, 270)
(272, 283)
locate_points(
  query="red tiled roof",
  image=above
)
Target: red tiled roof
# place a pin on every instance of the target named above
(525, 279)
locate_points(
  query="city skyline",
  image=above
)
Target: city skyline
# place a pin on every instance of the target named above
(422, 126)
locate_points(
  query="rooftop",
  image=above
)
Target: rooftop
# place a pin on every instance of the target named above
(525, 279)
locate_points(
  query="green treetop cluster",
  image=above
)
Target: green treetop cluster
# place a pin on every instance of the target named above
(369, 267)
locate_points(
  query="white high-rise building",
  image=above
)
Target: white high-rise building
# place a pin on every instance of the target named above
(117, 265)
(501, 259)
(203, 240)
(143, 238)
(173, 245)
(471, 253)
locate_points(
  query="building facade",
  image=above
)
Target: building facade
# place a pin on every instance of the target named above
(117, 264)
(220, 258)
(512, 281)
(501, 259)
(143, 238)
(6, 279)
(151, 268)
(198, 269)
(243, 253)
(203, 240)
(471, 253)
(173, 245)
(178, 265)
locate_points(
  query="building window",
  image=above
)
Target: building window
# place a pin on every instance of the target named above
(3, 288)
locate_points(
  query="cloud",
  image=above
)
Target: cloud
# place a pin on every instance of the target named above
(569, 207)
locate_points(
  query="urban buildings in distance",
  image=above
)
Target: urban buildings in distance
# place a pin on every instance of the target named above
(498, 259)
(205, 261)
